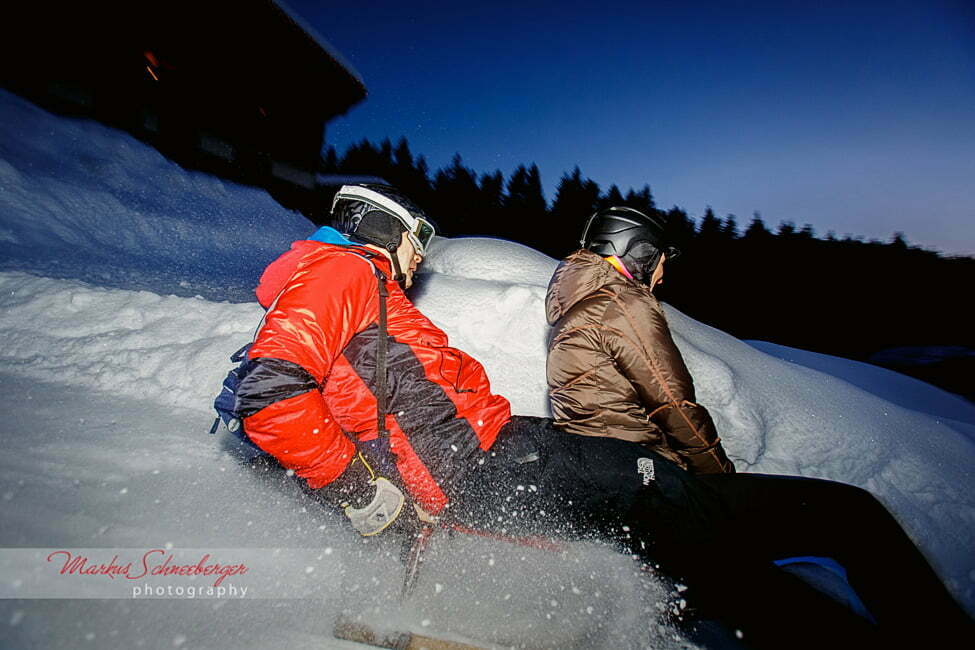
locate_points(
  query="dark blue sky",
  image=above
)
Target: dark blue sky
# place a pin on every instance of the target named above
(856, 117)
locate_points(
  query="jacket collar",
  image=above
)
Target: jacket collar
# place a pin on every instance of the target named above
(580, 275)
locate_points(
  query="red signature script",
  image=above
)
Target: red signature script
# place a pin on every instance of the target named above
(152, 563)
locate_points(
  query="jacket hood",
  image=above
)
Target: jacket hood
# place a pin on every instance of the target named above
(329, 235)
(577, 276)
(278, 272)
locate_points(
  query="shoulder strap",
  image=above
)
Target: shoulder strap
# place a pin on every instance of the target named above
(382, 350)
(381, 354)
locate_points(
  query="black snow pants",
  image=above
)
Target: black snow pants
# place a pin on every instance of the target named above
(720, 535)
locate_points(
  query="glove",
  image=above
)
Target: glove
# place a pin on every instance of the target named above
(380, 513)
(371, 502)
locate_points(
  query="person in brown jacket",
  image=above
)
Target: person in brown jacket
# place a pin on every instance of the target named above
(613, 367)
(625, 409)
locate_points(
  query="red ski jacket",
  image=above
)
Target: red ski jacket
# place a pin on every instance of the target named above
(310, 395)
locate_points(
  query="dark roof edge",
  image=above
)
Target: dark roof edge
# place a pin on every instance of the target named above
(320, 41)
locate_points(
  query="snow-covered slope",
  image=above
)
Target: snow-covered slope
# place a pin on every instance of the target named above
(110, 362)
(81, 200)
(902, 390)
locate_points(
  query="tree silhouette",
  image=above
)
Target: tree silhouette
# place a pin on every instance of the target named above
(575, 200)
(681, 228)
(490, 199)
(756, 230)
(524, 207)
(729, 229)
(612, 198)
(786, 230)
(711, 227)
(329, 163)
(410, 175)
(642, 200)
(455, 194)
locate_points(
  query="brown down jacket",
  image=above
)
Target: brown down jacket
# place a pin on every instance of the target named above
(614, 370)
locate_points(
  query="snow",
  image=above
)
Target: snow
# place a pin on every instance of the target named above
(124, 286)
(892, 386)
(120, 214)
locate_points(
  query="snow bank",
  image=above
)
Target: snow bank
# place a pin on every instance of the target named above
(902, 390)
(127, 371)
(774, 416)
(81, 200)
(163, 348)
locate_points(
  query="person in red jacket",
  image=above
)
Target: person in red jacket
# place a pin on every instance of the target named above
(311, 388)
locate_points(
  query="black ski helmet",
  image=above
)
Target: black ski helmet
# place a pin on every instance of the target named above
(637, 239)
(372, 213)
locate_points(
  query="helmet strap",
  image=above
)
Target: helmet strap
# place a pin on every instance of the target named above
(398, 275)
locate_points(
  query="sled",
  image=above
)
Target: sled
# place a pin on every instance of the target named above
(348, 629)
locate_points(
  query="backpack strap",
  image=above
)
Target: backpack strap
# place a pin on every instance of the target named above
(382, 352)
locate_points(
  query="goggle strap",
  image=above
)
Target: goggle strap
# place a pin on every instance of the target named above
(585, 231)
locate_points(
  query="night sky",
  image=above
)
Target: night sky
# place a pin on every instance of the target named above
(856, 117)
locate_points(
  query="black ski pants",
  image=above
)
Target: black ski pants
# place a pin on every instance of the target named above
(719, 535)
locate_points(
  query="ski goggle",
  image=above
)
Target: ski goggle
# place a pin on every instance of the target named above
(421, 234)
(672, 253)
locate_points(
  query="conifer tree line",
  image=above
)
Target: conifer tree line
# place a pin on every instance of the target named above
(841, 296)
